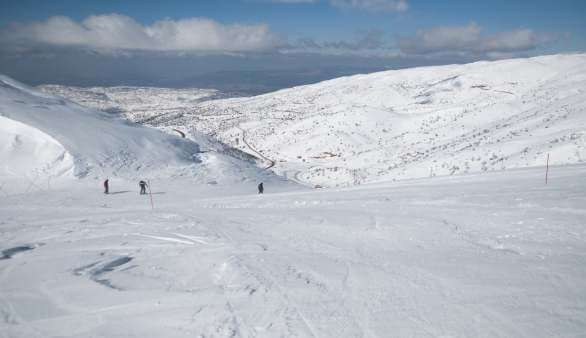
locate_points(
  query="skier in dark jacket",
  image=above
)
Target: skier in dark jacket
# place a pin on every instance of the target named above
(261, 189)
(106, 187)
(142, 185)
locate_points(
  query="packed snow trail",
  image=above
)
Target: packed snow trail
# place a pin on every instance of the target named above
(493, 255)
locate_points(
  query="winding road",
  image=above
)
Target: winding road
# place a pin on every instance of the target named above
(271, 162)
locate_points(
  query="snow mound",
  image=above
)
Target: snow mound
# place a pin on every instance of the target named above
(29, 151)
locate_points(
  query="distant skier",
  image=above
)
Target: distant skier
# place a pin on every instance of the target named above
(142, 185)
(261, 189)
(106, 187)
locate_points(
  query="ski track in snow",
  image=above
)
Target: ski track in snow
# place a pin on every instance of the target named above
(491, 255)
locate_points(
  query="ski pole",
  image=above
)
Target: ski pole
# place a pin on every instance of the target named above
(151, 195)
(547, 169)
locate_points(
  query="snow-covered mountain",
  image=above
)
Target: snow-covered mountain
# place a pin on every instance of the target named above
(46, 136)
(391, 125)
(415, 123)
(138, 104)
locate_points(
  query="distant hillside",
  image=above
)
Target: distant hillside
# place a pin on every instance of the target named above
(390, 125)
(414, 123)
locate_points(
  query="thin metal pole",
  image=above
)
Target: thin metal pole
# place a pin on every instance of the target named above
(151, 195)
(547, 169)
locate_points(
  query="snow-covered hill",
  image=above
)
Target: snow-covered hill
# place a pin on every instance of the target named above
(391, 125)
(138, 104)
(416, 122)
(44, 136)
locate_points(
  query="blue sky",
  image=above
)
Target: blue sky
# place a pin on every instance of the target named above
(320, 18)
(381, 33)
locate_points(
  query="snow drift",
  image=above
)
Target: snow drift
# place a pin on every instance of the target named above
(27, 149)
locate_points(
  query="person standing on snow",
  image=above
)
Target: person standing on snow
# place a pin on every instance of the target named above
(106, 187)
(142, 185)
(261, 189)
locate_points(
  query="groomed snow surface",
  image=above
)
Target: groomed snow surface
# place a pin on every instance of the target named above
(485, 255)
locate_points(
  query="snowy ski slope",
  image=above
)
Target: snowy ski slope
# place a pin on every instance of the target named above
(483, 255)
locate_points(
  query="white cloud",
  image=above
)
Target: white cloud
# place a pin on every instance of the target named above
(373, 5)
(517, 40)
(469, 40)
(369, 5)
(115, 31)
(367, 43)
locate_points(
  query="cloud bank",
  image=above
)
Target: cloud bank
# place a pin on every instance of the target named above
(115, 31)
(120, 33)
(469, 40)
(368, 43)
